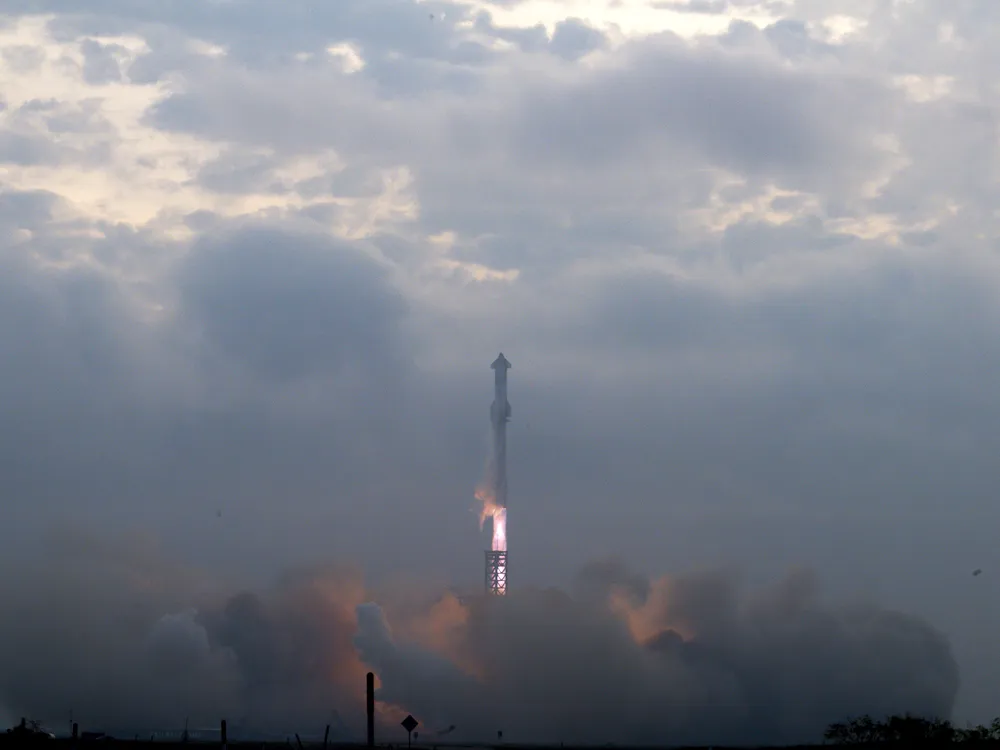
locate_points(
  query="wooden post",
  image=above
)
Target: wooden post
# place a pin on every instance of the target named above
(326, 736)
(298, 741)
(371, 708)
(222, 734)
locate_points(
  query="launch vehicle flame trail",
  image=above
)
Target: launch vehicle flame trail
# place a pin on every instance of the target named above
(494, 495)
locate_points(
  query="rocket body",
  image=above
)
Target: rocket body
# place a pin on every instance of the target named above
(499, 416)
(495, 507)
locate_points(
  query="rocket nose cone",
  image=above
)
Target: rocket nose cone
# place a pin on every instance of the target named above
(500, 361)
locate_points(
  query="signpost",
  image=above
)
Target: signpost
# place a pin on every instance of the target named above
(409, 724)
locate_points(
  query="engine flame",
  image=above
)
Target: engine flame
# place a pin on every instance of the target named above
(499, 515)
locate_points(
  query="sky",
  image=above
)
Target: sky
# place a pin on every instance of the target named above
(256, 258)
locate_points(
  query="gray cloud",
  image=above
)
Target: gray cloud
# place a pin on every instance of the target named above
(100, 64)
(734, 109)
(62, 329)
(574, 38)
(22, 149)
(289, 305)
(35, 134)
(726, 110)
(261, 35)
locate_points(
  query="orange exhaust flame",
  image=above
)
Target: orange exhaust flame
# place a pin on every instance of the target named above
(499, 515)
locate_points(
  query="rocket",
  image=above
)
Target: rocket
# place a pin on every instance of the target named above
(496, 506)
(499, 416)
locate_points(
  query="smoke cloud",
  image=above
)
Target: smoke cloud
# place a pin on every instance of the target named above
(124, 640)
(111, 633)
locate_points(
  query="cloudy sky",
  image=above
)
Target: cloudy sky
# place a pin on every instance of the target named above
(256, 258)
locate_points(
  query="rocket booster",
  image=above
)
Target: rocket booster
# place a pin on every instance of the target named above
(499, 416)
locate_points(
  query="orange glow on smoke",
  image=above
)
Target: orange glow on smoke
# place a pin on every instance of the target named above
(387, 713)
(650, 618)
(443, 630)
(441, 625)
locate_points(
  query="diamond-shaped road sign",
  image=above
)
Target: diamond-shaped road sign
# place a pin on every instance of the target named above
(409, 724)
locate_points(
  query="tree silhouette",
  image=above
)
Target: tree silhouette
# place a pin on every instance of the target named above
(860, 731)
(908, 731)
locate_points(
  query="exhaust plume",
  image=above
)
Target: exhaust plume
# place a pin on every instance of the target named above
(691, 660)
(496, 513)
(128, 642)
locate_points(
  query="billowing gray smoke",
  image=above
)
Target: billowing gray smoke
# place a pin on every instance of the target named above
(121, 640)
(683, 661)
(125, 641)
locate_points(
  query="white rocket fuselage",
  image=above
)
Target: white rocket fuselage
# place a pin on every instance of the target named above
(499, 416)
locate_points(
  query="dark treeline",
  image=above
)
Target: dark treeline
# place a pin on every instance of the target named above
(899, 731)
(908, 730)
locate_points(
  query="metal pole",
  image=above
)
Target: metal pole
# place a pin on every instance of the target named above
(371, 708)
